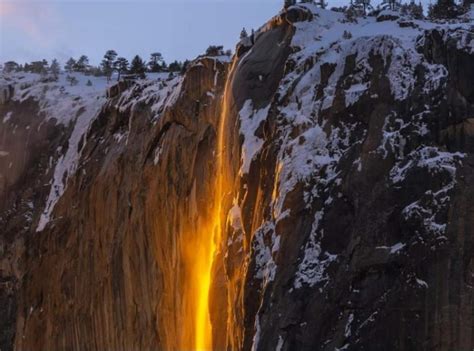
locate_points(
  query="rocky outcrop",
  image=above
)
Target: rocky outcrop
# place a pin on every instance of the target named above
(28, 146)
(452, 49)
(6, 92)
(331, 172)
(111, 278)
(356, 248)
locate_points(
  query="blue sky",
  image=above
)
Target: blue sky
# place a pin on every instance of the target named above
(179, 29)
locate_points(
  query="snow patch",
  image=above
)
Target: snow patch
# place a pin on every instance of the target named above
(347, 330)
(311, 270)
(428, 210)
(68, 163)
(250, 120)
(279, 344)
(394, 248)
(265, 264)
(422, 283)
(7, 117)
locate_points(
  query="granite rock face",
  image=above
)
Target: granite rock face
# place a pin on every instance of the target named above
(347, 213)
(28, 146)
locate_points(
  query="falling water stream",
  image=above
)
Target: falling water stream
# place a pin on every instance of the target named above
(208, 239)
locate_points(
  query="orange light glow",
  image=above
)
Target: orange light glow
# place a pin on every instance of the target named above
(202, 251)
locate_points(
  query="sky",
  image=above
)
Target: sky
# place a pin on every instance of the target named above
(179, 29)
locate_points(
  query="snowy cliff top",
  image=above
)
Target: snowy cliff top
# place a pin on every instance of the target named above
(77, 105)
(57, 99)
(329, 27)
(60, 99)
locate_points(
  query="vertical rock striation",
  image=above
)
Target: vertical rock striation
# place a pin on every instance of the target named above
(326, 172)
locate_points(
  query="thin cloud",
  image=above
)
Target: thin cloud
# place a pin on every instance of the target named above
(37, 21)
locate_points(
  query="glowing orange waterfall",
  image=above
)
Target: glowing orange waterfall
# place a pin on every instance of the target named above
(206, 243)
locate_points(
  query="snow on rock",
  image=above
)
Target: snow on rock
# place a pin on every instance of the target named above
(266, 266)
(324, 38)
(312, 269)
(279, 346)
(350, 319)
(59, 99)
(394, 248)
(7, 117)
(395, 134)
(327, 64)
(464, 38)
(250, 121)
(388, 15)
(430, 158)
(68, 162)
(158, 93)
(234, 217)
(77, 105)
(256, 337)
(428, 211)
(67, 104)
(422, 283)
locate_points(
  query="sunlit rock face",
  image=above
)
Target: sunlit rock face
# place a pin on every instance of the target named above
(314, 192)
(129, 209)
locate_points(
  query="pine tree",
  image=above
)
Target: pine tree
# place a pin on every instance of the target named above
(392, 4)
(107, 63)
(358, 7)
(70, 64)
(82, 65)
(215, 50)
(71, 80)
(95, 71)
(346, 35)
(55, 69)
(444, 9)
(39, 67)
(185, 65)
(138, 67)
(121, 66)
(10, 66)
(155, 63)
(413, 10)
(45, 65)
(289, 3)
(243, 34)
(175, 66)
(89, 83)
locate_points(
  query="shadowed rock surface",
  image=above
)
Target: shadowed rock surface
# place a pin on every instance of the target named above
(348, 220)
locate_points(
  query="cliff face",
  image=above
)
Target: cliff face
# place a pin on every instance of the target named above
(30, 144)
(314, 193)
